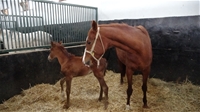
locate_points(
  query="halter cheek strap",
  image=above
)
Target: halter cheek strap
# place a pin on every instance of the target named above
(91, 52)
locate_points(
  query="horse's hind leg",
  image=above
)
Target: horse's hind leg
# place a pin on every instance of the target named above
(62, 90)
(129, 91)
(145, 74)
(122, 71)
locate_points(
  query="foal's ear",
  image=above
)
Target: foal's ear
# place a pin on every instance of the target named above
(94, 25)
(60, 42)
(51, 43)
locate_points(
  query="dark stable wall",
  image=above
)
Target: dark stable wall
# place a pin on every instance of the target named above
(23, 70)
(176, 52)
(176, 47)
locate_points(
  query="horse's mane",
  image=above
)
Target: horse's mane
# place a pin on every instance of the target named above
(114, 24)
(124, 25)
(65, 51)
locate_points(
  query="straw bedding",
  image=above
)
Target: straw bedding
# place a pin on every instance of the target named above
(162, 96)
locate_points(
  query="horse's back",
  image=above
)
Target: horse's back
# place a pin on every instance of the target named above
(143, 29)
(141, 58)
(148, 46)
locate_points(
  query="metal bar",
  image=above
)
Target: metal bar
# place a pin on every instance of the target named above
(45, 20)
(34, 24)
(65, 4)
(31, 24)
(45, 46)
(43, 35)
(27, 34)
(18, 22)
(39, 34)
(64, 21)
(56, 21)
(10, 27)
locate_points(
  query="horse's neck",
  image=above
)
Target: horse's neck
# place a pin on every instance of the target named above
(63, 57)
(114, 39)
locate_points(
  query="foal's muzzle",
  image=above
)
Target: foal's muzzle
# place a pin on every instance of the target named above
(49, 58)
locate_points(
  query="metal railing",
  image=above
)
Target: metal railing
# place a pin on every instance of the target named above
(30, 24)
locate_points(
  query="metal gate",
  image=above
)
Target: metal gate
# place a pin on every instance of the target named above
(30, 24)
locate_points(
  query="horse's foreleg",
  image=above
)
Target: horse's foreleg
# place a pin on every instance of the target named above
(129, 91)
(62, 90)
(145, 74)
(68, 90)
(122, 71)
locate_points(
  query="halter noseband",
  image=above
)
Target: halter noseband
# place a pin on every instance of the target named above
(91, 52)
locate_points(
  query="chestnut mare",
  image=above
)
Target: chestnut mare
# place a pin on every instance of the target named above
(133, 47)
(72, 66)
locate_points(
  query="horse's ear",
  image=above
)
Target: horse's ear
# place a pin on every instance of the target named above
(94, 25)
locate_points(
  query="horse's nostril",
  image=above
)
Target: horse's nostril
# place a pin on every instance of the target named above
(87, 63)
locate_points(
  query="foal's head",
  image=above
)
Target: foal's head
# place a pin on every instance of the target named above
(94, 49)
(55, 50)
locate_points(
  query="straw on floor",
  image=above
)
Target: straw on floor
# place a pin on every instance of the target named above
(162, 96)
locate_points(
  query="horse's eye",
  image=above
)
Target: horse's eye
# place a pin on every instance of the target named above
(88, 42)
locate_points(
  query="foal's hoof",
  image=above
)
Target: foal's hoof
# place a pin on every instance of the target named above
(145, 106)
(106, 105)
(99, 99)
(65, 106)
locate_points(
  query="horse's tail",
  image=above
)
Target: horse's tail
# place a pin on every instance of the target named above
(143, 30)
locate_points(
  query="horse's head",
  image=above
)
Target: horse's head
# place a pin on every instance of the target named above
(94, 46)
(54, 51)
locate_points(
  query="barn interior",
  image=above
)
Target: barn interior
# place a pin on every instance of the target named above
(28, 81)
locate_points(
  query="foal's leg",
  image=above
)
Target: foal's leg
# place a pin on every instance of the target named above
(145, 74)
(62, 90)
(129, 91)
(68, 90)
(122, 71)
(101, 92)
(103, 87)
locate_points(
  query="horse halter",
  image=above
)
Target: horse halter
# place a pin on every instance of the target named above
(91, 52)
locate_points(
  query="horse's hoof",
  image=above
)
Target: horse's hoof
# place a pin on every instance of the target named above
(100, 99)
(128, 107)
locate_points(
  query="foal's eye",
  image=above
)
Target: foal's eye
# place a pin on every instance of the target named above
(88, 42)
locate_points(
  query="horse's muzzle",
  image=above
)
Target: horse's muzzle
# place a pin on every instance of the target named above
(87, 63)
